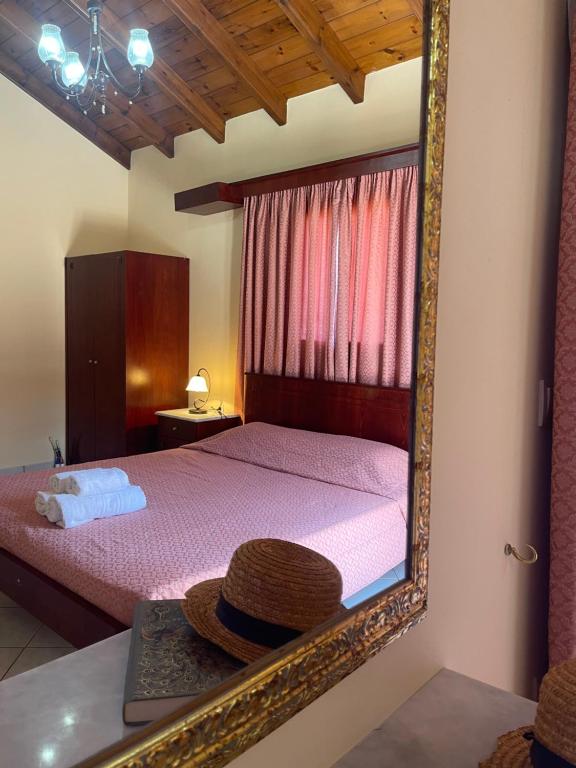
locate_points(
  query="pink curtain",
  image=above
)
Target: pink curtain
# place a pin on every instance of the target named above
(328, 280)
(562, 616)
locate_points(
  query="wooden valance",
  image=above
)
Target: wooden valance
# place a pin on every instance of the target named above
(223, 196)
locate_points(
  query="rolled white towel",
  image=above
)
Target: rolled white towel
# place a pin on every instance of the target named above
(41, 502)
(53, 511)
(87, 482)
(68, 510)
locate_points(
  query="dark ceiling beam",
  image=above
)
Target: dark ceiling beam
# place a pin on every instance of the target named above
(195, 107)
(33, 86)
(26, 25)
(321, 37)
(417, 7)
(194, 15)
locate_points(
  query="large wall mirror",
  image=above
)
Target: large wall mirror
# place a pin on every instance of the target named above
(377, 528)
(314, 556)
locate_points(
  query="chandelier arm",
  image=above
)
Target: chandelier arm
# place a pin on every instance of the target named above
(60, 85)
(131, 94)
(91, 48)
(88, 94)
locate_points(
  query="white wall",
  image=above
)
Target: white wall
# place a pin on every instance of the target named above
(323, 125)
(59, 196)
(487, 613)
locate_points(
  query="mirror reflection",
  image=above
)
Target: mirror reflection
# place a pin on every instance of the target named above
(225, 466)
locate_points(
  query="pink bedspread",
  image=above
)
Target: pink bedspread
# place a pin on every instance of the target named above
(201, 506)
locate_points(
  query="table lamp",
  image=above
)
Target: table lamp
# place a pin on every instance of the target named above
(198, 386)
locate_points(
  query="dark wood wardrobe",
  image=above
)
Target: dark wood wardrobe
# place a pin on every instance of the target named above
(126, 350)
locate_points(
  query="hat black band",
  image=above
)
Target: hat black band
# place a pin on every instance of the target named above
(542, 757)
(251, 629)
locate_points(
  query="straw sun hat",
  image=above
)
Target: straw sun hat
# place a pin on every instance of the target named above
(273, 592)
(551, 741)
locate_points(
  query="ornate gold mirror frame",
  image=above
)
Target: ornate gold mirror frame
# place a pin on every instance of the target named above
(226, 722)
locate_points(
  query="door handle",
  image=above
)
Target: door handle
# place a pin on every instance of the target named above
(528, 559)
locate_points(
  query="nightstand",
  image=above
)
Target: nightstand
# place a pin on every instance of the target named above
(180, 427)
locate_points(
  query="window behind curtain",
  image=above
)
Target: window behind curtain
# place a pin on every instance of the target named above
(328, 280)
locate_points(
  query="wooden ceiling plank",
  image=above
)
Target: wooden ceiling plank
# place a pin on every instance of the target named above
(385, 37)
(136, 143)
(205, 74)
(148, 128)
(123, 7)
(33, 86)
(404, 51)
(295, 70)
(243, 10)
(150, 14)
(162, 74)
(26, 25)
(417, 7)
(370, 17)
(321, 37)
(195, 15)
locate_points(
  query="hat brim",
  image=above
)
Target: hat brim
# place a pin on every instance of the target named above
(199, 607)
(513, 751)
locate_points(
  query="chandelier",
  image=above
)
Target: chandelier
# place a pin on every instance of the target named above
(87, 85)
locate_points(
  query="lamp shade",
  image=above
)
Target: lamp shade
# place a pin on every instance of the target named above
(140, 53)
(197, 384)
(73, 72)
(51, 46)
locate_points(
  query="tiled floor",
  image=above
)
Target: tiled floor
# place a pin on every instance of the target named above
(25, 642)
(388, 580)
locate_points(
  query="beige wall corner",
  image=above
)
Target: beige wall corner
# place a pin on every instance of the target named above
(60, 196)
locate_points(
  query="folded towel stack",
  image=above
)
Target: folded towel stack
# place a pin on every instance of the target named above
(81, 496)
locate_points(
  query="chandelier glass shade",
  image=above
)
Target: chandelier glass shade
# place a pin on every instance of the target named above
(87, 84)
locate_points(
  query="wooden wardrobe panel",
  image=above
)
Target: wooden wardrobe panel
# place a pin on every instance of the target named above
(95, 357)
(107, 297)
(157, 302)
(127, 350)
(79, 349)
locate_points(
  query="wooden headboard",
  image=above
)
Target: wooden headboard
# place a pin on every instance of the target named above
(375, 413)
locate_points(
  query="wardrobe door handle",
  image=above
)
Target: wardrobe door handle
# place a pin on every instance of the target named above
(95, 362)
(89, 362)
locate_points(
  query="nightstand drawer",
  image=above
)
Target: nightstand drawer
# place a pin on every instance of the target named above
(174, 432)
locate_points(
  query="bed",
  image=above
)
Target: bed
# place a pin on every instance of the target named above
(267, 479)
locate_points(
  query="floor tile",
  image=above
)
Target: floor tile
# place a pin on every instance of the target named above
(17, 627)
(6, 602)
(47, 638)
(35, 657)
(7, 657)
